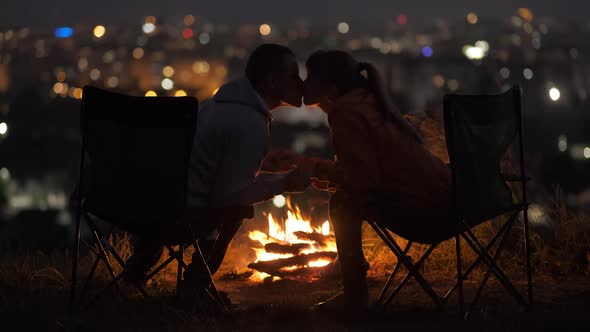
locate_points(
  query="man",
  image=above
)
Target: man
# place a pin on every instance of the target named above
(231, 142)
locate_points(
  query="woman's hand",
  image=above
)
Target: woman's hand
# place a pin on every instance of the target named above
(280, 160)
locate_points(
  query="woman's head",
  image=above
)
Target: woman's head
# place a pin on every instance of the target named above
(331, 74)
(334, 73)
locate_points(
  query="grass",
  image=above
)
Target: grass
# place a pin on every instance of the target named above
(34, 291)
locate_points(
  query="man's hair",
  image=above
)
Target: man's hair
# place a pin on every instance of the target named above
(266, 59)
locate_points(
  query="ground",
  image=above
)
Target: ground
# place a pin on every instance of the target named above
(562, 303)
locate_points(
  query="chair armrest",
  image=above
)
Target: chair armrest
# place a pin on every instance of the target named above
(515, 178)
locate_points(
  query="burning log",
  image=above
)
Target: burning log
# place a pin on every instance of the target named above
(315, 237)
(294, 249)
(277, 267)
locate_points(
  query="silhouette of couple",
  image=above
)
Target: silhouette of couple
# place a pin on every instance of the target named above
(382, 170)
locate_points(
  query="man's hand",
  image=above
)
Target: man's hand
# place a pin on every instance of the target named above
(323, 186)
(297, 180)
(280, 160)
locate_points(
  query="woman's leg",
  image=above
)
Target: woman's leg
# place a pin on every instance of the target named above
(347, 218)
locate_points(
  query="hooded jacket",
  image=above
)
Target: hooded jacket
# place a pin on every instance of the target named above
(232, 139)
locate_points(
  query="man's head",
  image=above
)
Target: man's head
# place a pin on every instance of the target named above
(273, 71)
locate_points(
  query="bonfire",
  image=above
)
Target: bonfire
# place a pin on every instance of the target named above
(292, 248)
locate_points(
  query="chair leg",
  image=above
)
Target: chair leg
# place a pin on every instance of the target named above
(179, 271)
(487, 275)
(75, 254)
(409, 275)
(479, 258)
(390, 242)
(459, 275)
(391, 278)
(476, 245)
(527, 248)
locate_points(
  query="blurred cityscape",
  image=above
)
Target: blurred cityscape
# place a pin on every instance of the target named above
(42, 72)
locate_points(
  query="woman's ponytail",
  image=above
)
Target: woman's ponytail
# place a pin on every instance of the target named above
(389, 112)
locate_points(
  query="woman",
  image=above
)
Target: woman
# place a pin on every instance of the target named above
(382, 172)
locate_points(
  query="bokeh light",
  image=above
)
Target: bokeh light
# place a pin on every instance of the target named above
(343, 27)
(168, 71)
(472, 18)
(151, 93)
(554, 94)
(167, 84)
(99, 31)
(148, 28)
(402, 19)
(427, 51)
(265, 29)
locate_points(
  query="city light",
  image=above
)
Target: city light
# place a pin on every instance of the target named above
(438, 81)
(554, 94)
(180, 93)
(526, 14)
(279, 201)
(167, 84)
(151, 93)
(265, 29)
(112, 82)
(402, 19)
(3, 128)
(148, 28)
(4, 173)
(587, 152)
(484, 45)
(343, 27)
(187, 33)
(527, 73)
(77, 93)
(204, 38)
(59, 88)
(427, 51)
(505, 72)
(189, 20)
(473, 52)
(168, 71)
(472, 18)
(453, 85)
(562, 143)
(137, 53)
(99, 31)
(95, 74)
(82, 64)
(215, 92)
(64, 32)
(200, 67)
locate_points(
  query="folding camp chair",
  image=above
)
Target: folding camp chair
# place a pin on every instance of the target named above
(134, 162)
(479, 131)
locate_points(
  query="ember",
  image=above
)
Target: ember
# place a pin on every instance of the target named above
(292, 248)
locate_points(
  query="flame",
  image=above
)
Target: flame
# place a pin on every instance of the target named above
(283, 232)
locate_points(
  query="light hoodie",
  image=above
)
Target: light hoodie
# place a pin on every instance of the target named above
(232, 139)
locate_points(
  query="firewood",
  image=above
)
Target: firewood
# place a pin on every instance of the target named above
(293, 249)
(318, 238)
(274, 267)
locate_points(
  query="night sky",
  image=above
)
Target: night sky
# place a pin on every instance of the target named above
(59, 12)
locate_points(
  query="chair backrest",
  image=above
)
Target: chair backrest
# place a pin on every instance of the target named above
(479, 129)
(138, 151)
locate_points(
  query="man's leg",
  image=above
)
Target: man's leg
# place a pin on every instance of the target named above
(214, 249)
(146, 253)
(347, 220)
